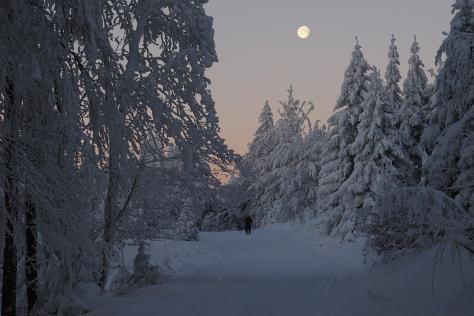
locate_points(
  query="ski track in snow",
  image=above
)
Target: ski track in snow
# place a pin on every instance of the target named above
(274, 271)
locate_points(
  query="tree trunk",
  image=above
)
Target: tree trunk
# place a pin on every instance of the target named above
(114, 130)
(9, 251)
(9, 264)
(109, 216)
(108, 219)
(31, 263)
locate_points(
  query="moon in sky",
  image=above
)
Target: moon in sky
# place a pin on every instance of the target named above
(304, 32)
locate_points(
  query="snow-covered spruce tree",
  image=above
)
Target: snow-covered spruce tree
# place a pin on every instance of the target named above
(337, 158)
(414, 111)
(260, 144)
(256, 164)
(392, 75)
(449, 135)
(381, 162)
(330, 179)
(290, 175)
(298, 177)
(308, 170)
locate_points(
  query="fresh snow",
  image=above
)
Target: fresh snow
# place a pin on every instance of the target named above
(287, 270)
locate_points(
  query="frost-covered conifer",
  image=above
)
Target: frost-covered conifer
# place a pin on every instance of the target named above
(286, 179)
(261, 144)
(337, 159)
(414, 111)
(309, 169)
(380, 160)
(392, 75)
(265, 120)
(449, 137)
(257, 164)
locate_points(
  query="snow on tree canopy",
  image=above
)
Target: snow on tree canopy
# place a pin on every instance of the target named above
(449, 136)
(259, 145)
(380, 160)
(338, 160)
(286, 172)
(414, 111)
(392, 74)
(88, 85)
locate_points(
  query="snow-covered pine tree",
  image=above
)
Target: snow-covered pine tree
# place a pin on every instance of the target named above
(330, 179)
(285, 193)
(337, 159)
(380, 160)
(449, 137)
(261, 143)
(414, 111)
(392, 75)
(299, 178)
(256, 164)
(308, 169)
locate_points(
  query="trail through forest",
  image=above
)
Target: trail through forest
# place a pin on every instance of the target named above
(281, 271)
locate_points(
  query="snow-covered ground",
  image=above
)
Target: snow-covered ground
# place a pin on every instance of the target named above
(281, 270)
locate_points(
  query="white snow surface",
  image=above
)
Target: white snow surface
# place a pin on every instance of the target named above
(287, 270)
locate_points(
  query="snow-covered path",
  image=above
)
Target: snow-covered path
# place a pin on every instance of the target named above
(260, 273)
(278, 271)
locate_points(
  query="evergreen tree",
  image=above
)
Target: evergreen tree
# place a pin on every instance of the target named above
(261, 143)
(338, 160)
(282, 194)
(414, 111)
(380, 160)
(309, 168)
(330, 179)
(265, 120)
(449, 136)
(256, 164)
(392, 75)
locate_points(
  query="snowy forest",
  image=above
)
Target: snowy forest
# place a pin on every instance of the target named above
(110, 139)
(395, 160)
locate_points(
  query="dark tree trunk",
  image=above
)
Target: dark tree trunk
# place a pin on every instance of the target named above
(108, 220)
(9, 252)
(9, 270)
(31, 263)
(108, 223)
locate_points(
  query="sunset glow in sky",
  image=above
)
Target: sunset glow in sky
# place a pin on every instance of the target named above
(260, 54)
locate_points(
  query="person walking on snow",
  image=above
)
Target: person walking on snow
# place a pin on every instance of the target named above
(248, 224)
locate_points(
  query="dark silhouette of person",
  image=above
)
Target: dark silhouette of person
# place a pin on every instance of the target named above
(248, 224)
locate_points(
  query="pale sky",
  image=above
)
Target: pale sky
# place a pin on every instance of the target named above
(260, 54)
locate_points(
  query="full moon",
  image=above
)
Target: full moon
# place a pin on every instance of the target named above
(304, 32)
